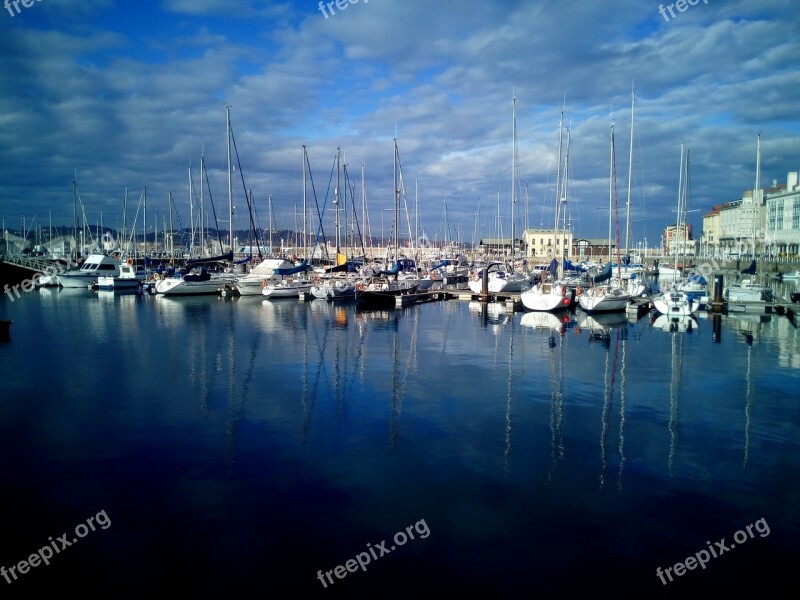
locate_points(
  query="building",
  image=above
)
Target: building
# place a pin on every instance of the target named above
(677, 241)
(742, 223)
(499, 246)
(545, 245)
(782, 223)
(593, 249)
(709, 238)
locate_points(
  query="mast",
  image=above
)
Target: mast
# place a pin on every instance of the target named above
(124, 218)
(191, 210)
(364, 211)
(630, 179)
(756, 208)
(611, 192)
(416, 217)
(202, 219)
(171, 233)
(558, 187)
(680, 214)
(305, 230)
(144, 222)
(396, 208)
(74, 214)
(563, 208)
(336, 202)
(685, 205)
(271, 250)
(230, 177)
(513, 174)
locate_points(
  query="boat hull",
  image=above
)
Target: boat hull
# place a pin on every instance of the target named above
(546, 299)
(118, 283)
(292, 290)
(747, 294)
(77, 280)
(675, 304)
(381, 299)
(595, 302)
(179, 287)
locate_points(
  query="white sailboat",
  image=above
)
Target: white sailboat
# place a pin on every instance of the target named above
(382, 290)
(674, 301)
(751, 289)
(553, 295)
(199, 280)
(610, 296)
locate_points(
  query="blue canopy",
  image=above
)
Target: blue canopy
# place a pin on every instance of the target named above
(603, 275)
(301, 268)
(571, 266)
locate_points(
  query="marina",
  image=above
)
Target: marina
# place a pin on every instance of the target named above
(400, 300)
(269, 439)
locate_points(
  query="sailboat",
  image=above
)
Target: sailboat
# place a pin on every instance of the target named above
(750, 289)
(632, 272)
(382, 290)
(674, 301)
(513, 281)
(611, 296)
(199, 280)
(551, 295)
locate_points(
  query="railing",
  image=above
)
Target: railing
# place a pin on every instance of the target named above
(27, 262)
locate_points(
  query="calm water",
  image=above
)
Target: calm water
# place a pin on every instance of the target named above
(241, 446)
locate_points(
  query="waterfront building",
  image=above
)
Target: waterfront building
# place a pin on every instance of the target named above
(782, 232)
(540, 243)
(592, 248)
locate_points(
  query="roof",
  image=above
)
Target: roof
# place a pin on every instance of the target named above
(496, 242)
(595, 241)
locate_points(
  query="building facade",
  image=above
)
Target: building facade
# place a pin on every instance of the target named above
(545, 245)
(782, 225)
(677, 241)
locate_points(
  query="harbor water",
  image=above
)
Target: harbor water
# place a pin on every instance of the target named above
(244, 446)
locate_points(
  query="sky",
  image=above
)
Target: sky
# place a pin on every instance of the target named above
(128, 95)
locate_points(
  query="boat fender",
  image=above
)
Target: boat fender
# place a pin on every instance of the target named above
(263, 283)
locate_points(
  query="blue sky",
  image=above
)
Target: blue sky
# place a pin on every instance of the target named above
(127, 95)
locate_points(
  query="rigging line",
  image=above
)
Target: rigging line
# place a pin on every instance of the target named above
(320, 228)
(246, 195)
(211, 200)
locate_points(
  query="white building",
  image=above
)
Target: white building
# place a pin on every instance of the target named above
(782, 231)
(544, 244)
